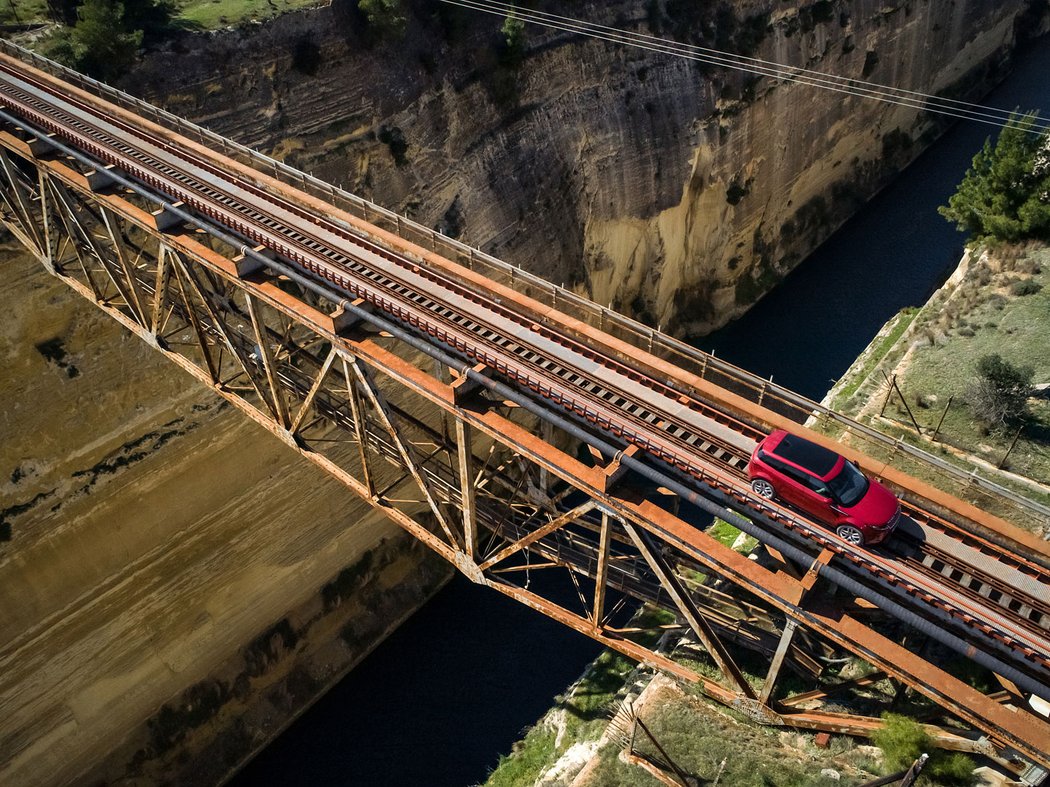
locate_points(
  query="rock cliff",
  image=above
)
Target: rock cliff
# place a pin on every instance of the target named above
(677, 192)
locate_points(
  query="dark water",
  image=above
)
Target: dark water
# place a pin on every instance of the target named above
(451, 690)
(893, 254)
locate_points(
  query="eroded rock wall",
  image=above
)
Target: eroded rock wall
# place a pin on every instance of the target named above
(152, 540)
(675, 191)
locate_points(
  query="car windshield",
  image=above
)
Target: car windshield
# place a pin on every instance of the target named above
(849, 486)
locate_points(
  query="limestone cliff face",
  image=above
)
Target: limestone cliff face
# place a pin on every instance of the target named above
(676, 192)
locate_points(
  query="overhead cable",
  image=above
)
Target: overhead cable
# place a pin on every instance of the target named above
(913, 99)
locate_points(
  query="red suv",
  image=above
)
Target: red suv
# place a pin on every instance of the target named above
(823, 484)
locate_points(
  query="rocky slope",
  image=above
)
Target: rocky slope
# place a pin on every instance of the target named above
(676, 192)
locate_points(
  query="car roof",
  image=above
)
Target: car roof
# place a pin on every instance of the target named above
(797, 450)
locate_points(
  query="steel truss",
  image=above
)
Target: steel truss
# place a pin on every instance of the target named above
(480, 480)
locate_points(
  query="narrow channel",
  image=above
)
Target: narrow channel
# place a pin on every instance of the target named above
(440, 700)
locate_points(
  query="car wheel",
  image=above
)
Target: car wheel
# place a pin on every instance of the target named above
(851, 534)
(763, 488)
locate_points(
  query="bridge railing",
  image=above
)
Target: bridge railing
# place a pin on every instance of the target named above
(964, 483)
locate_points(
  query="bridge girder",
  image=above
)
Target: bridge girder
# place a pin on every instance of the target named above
(461, 471)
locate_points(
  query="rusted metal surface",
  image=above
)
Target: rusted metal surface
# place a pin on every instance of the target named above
(486, 494)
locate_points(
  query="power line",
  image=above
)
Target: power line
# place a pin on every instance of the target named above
(964, 110)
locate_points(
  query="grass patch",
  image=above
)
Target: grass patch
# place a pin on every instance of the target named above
(988, 319)
(700, 738)
(21, 12)
(203, 14)
(901, 322)
(212, 14)
(528, 759)
(579, 716)
(728, 535)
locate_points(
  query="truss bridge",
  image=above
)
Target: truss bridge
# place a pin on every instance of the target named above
(516, 428)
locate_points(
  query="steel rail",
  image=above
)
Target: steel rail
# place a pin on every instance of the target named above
(669, 456)
(1009, 597)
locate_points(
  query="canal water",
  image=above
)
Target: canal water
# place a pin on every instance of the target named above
(453, 688)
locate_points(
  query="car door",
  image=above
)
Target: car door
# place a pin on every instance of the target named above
(818, 500)
(790, 483)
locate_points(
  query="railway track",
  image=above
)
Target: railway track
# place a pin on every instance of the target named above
(672, 427)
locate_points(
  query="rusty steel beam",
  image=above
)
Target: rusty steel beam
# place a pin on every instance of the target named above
(697, 622)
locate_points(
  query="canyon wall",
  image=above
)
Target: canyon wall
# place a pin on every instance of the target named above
(177, 584)
(677, 192)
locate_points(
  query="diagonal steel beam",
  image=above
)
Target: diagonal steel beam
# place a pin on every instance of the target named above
(262, 342)
(693, 617)
(370, 389)
(133, 297)
(538, 533)
(778, 659)
(198, 329)
(66, 212)
(309, 400)
(218, 324)
(20, 205)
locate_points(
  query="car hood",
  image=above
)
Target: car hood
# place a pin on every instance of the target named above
(877, 507)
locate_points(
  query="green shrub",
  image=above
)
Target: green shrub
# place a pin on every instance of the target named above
(1025, 287)
(999, 393)
(385, 17)
(903, 741)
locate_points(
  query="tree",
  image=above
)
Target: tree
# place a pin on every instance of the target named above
(999, 393)
(513, 30)
(385, 17)
(903, 740)
(101, 44)
(1005, 195)
(153, 17)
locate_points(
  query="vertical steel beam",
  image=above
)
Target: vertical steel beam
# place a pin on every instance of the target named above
(468, 493)
(602, 572)
(354, 395)
(51, 243)
(547, 435)
(160, 290)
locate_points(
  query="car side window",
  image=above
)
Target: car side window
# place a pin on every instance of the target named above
(818, 486)
(794, 474)
(798, 476)
(772, 461)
